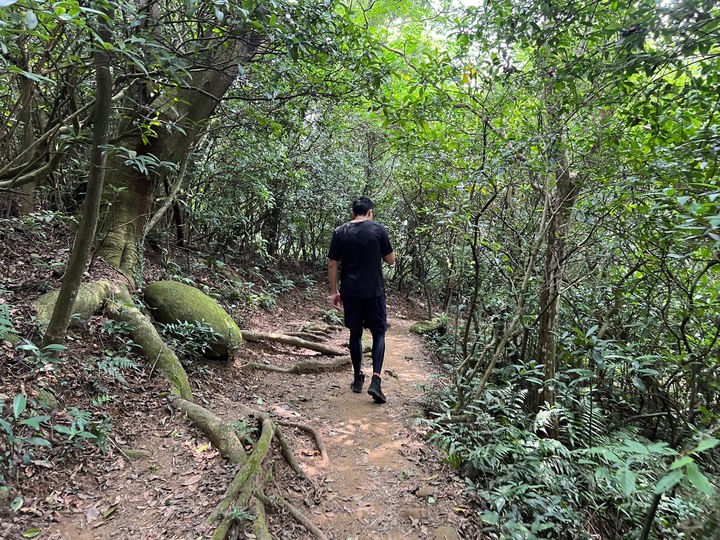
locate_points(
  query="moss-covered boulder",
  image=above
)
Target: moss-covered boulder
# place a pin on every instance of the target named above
(173, 302)
(436, 326)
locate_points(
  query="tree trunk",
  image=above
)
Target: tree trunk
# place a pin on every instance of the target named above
(130, 189)
(57, 328)
(563, 200)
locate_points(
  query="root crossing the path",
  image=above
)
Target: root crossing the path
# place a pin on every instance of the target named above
(356, 469)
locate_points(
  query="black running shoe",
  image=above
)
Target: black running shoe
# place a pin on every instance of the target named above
(357, 383)
(375, 390)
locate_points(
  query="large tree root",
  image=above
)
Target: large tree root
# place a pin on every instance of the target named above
(220, 433)
(316, 437)
(305, 366)
(291, 340)
(244, 498)
(246, 488)
(143, 333)
(279, 502)
(241, 490)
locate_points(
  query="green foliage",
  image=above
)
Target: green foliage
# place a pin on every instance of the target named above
(40, 358)
(241, 515)
(6, 325)
(260, 292)
(190, 340)
(458, 124)
(24, 427)
(244, 430)
(102, 399)
(114, 365)
(332, 316)
(531, 486)
(84, 427)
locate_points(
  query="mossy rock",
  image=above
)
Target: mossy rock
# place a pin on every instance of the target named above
(429, 327)
(48, 399)
(174, 302)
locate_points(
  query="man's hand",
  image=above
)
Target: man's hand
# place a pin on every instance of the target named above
(336, 300)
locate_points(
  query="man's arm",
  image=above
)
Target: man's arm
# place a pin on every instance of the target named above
(390, 258)
(333, 279)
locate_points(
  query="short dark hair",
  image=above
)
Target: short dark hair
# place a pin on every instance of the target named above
(362, 205)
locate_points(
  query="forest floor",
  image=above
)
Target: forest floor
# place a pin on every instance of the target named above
(158, 476)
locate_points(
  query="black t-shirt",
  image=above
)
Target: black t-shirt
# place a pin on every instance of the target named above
(360, 247)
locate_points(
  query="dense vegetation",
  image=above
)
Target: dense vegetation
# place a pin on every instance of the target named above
(548, 171)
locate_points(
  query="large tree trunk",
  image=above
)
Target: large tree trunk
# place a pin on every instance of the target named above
(129, 189)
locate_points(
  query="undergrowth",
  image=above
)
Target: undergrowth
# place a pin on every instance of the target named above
(590, 481)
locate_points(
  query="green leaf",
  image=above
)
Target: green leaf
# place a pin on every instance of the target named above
(491, 518)
(635, 447)
(19, 404)
(602, 473)
(38, 441)
(31, 533)
(6, 427)
(698, 479)
(16, 504)
(31, 20)
(54, 347)
(35, 421)
(32, 76)
(706, 444)
(681, 462)
(626, 478)
(668, 481)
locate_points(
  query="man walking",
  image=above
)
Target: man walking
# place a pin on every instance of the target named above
(358, 248)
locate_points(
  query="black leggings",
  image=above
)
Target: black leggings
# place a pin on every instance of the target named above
(378, 350)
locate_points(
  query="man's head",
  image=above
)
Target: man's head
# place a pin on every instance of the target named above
(362, 206)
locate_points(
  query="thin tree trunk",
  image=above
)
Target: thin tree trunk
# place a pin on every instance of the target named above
(57, 328)
(563, 201)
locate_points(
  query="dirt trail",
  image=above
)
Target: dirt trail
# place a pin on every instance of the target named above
(378, 480)
(382, 480)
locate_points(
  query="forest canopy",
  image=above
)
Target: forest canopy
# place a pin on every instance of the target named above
(548, 170)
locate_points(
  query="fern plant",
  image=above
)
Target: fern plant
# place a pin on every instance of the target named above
(114, 366)
(190, 339)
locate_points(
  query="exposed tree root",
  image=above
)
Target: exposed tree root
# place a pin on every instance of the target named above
(316, 436)
(242, 487)
(291, 340)
(305, 366)
(242, 493)
(260, 526)
(143, 333)
(220, 433)
(283, 504)
(290, 456)
(246, 490)
(307, 336)
(321, 328)
(287, 452)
